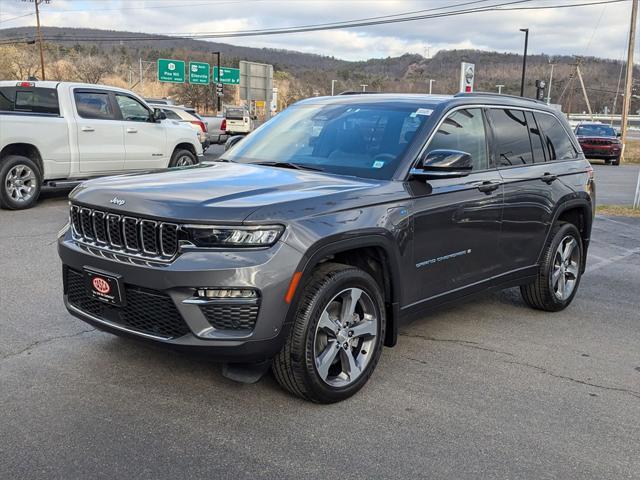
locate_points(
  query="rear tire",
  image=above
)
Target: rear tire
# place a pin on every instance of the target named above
(559, 272)
(337, 336)
(20, 182)
(183, 158)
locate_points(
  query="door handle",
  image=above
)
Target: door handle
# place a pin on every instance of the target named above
(88, 129)
(132, 130)
(489, 186)
(548, 178)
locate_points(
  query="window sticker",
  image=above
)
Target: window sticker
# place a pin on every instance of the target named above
(378, 164)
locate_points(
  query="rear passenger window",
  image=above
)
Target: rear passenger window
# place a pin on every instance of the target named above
(31, 100)
(555, 139)
(464, 130)
(511, 133)
(94, 105)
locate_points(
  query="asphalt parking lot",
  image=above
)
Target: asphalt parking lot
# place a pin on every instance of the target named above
(485, 389)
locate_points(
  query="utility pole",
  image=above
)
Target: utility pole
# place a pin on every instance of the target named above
(333, 85)
(550, 83)
(431, 82)
(524, 59)
(584, 90)
(628, 85)
(218, 96)
(500, 87)
(39, 33)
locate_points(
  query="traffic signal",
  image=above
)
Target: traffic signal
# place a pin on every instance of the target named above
(540, 86)
(219, 89)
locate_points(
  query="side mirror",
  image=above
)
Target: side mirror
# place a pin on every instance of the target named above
(619, 134)
(231, 141)
(443, 164)
(159, 115)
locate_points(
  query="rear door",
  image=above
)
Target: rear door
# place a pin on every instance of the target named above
(531, 184)
(100, 134)
(457, 221)
(144, 139)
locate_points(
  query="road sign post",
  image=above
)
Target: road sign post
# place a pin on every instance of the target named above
(228, 76)
(171, 71)
(199, 73)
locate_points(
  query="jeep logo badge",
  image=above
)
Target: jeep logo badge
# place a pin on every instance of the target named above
(118, 201)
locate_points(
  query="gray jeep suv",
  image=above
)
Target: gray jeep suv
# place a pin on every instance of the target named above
(308, 243)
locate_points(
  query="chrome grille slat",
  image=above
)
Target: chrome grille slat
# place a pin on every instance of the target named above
(124, 235)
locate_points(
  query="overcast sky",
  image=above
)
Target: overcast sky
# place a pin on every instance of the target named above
(599, 30)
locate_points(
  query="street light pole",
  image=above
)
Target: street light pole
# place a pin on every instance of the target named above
(333, 90)
(524, 59)
(364, 87)
(431, 81)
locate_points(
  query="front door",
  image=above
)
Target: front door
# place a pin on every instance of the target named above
(457, 222)
(100, 133)
(144, 139)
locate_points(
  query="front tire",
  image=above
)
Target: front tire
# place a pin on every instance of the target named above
(337, 336)
(20, 183)
(183, 158)
(559, 272)
(616, 161)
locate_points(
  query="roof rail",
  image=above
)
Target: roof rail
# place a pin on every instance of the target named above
(352, 92)
(491, 94)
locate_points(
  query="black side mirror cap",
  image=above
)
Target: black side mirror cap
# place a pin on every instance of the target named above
(231, 141)
(443, 164)
(159, 115)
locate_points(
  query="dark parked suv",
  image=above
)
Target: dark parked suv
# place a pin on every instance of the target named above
(310, 241)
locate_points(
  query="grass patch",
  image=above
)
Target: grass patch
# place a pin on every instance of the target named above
(617, 210)
(632, 151)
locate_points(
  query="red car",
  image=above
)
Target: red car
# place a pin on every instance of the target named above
(599, 141)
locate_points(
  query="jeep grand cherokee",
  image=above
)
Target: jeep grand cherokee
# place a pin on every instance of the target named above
(311, 240)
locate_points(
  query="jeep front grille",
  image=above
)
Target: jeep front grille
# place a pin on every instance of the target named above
(124, 234)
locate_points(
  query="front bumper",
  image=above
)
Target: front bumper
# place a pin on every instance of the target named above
(160, 304)
(605, 152)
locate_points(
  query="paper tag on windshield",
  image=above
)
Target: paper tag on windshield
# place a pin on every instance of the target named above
(422, 111)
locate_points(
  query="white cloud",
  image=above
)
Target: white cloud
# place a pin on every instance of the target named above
(562, 31)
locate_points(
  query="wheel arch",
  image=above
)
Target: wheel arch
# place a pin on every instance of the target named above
(373, 253)
(25, 150)
(578, 212)
(184, 146)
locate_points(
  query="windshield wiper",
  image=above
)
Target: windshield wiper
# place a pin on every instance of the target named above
(295, 166)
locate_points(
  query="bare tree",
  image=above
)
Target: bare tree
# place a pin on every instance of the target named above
(91, 69)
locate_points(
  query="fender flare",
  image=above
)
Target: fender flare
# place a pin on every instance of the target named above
(331, 245)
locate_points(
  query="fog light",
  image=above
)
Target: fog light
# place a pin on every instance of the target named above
(226, 293)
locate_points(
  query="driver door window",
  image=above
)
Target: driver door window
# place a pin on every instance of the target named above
(464, 130)
(132, 110)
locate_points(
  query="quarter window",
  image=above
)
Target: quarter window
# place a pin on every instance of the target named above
(132, 110)
(464, 130)
(95, 105)
(556, 142)
(511, 133)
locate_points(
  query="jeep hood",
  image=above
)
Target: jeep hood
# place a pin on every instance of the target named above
(225, 192)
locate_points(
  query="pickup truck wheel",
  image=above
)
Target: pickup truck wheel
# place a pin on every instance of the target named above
(183, 158)
(21, 183)
(559, 273)
(337, 336)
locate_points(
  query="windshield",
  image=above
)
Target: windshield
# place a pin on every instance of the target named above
(596, 131)
(359, 140)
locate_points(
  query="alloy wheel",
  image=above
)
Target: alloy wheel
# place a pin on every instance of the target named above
(185, 161)
(566, 265)
(345, 337)
(20, 184)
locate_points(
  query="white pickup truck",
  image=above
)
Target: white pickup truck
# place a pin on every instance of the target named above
(57, 134)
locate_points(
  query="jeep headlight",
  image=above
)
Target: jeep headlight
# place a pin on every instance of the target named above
(220, 237)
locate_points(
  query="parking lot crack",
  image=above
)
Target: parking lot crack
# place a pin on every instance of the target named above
(574, 380)
(39, 343)
(464, 343)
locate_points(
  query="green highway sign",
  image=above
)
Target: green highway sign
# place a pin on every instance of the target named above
(170, 70)
(199, 73)
(230, 76)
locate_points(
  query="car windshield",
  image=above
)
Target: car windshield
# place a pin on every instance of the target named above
(596, 131)
(359, 140)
